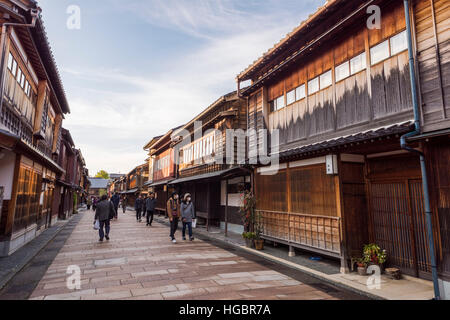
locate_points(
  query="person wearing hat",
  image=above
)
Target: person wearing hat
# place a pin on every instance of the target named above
(173, 211)
(187, 215)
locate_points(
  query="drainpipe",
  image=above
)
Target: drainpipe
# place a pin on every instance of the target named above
(404, 145)
(34, 14)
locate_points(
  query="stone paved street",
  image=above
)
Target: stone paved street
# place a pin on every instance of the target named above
(140, 262)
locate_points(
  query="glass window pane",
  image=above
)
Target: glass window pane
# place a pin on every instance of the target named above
(326, 80)
(399, 43)
(290, 97)
(22, 81)
(313, 85)
(342, 71)
(358, 63)
(14, 68)
(300, 92)
(280, 103)
(10, 62)
(380, 52)
(19, 75)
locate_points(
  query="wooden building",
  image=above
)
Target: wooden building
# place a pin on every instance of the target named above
(164, 168)
(339, 96)
(214, 178)
(135, 183)
(98, 187)
(151, 162)
(65, 183)
(432, 62)
(32, 107)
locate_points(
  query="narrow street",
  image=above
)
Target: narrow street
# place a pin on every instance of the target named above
(140, 262)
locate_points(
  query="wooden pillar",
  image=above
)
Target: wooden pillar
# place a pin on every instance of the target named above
(226, 209)
(42, 95)
(208, 205)
(339, 211)
(12, 202)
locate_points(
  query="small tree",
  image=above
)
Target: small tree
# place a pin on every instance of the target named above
(102, 174)
(248, 211)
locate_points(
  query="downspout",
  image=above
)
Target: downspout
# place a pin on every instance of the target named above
(404, 145)
(34, 14)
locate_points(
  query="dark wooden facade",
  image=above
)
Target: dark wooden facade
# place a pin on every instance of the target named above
(334, 87)
(163, 168)
(32, 106)
(206, 166)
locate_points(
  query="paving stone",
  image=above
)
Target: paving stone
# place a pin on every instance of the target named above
(140, 265)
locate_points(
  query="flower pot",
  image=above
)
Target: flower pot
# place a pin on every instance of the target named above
(362, 271)
(249, 243)
(259, 244)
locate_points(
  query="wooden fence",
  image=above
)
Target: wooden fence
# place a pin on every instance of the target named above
(319, 233)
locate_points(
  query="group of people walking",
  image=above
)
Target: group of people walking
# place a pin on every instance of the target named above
(145, 207)
(106, 210)
(183, 210)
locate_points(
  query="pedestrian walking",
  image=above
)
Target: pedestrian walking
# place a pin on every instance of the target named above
(89, 203)
(116, 200)
(124, 204)
(173, 212)
(150, 205)
(138, 206)
(94, 204)
(144, 205)
(104, 212)
(187, 215)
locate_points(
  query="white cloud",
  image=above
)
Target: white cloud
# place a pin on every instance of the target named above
(112, 126)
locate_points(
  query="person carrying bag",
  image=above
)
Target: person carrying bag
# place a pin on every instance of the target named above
(104, 213)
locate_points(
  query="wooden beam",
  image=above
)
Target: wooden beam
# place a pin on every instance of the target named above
(226, 209)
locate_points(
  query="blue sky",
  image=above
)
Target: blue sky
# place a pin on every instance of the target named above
(137, 68)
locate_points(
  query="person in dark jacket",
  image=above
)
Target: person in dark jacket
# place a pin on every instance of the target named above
(104, 212)
(187, 215)
(173, 211)
(115, 199)
(124, 204)
(138, 206)
(150, 205)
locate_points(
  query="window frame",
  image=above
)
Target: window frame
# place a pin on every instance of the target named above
(363, 66)
(304, 92)
(398, 36)
(380, 45)
(330, 73)
(316, 79)
(337, 74)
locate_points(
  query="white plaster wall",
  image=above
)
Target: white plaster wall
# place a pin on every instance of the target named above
(7, 172)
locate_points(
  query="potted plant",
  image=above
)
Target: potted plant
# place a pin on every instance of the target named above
(248, 209)
(374, 255)
(249, 239)
(362, 267)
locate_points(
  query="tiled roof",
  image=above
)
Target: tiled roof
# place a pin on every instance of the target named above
(399, 128)
(98, 183)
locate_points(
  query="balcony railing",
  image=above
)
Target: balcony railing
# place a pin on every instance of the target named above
(17, 98)
(16, 124)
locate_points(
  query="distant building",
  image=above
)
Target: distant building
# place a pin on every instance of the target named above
(98, 187)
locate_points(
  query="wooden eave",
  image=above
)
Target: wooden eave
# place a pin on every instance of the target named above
(309, 36)
(291, 37)
(35, 43)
